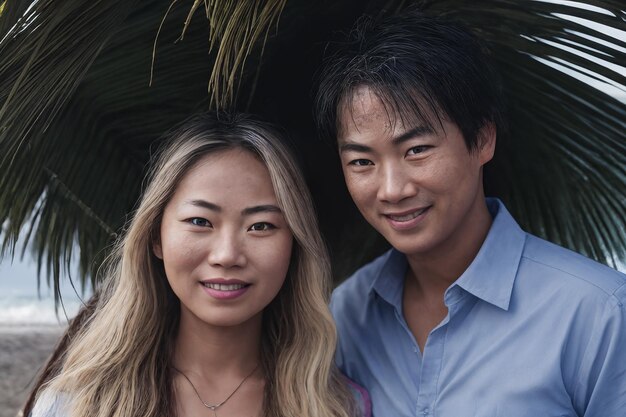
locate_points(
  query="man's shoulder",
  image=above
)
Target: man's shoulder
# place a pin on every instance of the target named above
(571, 268)
(359, 284)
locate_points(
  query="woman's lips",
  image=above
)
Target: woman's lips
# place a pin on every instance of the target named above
(225, 289)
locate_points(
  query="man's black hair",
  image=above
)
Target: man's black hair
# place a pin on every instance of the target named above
(420, 67)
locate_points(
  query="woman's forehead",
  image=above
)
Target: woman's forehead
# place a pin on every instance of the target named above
(225, 174)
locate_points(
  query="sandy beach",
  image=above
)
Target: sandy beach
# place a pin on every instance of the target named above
(23, 351)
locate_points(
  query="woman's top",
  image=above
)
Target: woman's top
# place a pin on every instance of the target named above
(51, 404)
(361, 398)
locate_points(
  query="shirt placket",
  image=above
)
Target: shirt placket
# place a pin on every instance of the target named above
(432, 357)
(431, 366)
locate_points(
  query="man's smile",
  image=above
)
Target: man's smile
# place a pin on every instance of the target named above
(406, 215)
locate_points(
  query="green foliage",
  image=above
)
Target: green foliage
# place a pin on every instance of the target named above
(79, 118)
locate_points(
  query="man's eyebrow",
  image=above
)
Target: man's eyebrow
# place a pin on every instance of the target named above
(408, 135)
(354, 147)
(205, 204)
(411, 134)
(261, 209)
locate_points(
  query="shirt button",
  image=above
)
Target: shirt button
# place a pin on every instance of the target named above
(425, 411)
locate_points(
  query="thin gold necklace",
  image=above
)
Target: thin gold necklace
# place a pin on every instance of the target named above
(214, 407)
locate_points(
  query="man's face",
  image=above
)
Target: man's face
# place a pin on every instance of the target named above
(418, 186)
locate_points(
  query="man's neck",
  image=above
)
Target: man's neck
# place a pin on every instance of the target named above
(430, 274)
(437, 269)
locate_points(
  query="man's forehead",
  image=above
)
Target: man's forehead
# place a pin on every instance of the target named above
(361, 108)
(363, 103)
(364, 108)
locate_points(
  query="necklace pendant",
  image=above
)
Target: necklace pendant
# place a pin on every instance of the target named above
(214, 407)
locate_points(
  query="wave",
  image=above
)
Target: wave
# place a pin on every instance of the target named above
(33, 311)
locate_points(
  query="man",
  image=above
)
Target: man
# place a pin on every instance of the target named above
(467, 315)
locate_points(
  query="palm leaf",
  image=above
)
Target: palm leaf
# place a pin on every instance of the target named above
(79, 117)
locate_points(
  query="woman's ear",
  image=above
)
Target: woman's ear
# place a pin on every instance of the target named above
(157, 249)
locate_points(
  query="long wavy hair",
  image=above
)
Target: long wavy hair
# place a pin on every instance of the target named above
(119, 364)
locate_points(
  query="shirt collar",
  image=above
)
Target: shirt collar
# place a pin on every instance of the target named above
(389, 283)
(491, 274)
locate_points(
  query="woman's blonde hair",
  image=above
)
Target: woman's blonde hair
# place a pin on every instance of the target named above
(119, 364)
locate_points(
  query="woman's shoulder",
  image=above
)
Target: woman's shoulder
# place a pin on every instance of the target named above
(51, 404)
(361, 398)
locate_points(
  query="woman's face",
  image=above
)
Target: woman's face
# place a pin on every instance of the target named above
(224, 242)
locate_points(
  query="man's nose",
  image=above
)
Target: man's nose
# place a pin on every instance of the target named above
(395, 184)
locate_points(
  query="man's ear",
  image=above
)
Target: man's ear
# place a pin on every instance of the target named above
(486, 142)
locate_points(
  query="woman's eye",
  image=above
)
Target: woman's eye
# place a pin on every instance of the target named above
(360, 162)
(261, 227)
(417, 149)
(199, 221)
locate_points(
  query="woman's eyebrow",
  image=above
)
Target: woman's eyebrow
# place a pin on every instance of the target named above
(205, 204)
(261, 209)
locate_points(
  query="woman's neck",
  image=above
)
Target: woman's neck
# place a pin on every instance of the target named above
(218, 366)
(215, 351)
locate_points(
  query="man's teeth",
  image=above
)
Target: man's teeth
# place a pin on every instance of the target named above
(407, 217)
(223, 287)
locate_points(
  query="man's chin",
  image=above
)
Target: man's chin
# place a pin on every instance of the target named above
(410, 244)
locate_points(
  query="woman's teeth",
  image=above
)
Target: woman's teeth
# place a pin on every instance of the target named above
(223, 287)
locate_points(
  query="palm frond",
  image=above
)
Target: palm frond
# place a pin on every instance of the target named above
(236, 27)
(65, 126)
(566, 151)
(78, 116)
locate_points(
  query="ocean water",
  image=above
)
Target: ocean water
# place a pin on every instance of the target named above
(24, 307)
(26, 312)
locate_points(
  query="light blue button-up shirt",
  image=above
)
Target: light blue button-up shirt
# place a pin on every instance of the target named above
(533, 330)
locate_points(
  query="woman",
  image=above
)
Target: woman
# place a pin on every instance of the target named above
(214, 302)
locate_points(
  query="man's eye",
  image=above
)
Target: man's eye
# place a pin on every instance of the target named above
(261, 227)
(360, 162)
(199, 221)
(417, 149)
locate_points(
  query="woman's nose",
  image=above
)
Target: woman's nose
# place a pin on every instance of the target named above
(227, 251)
